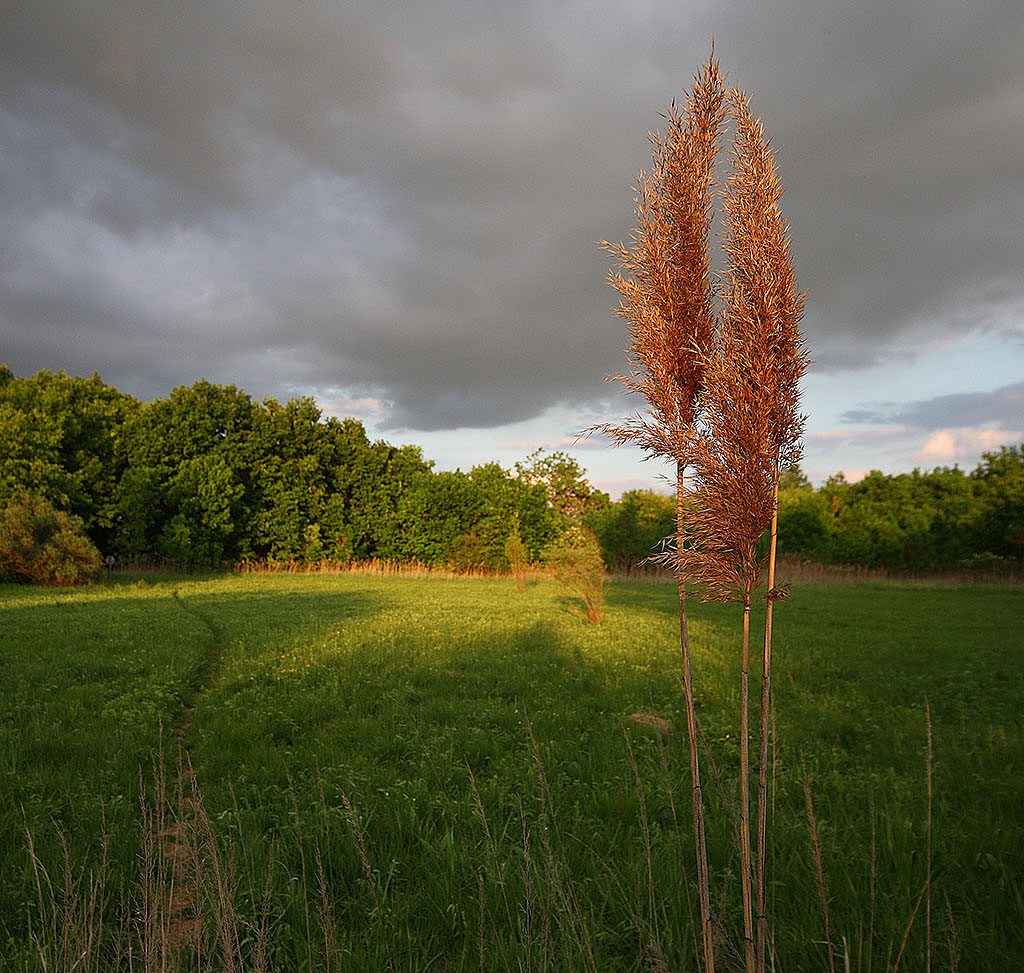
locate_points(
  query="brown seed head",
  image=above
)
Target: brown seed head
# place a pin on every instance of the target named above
(664, 275)
(750, 424)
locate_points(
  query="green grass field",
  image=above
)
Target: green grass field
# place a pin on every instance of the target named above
(429, 774)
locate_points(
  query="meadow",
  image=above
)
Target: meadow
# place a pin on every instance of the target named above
(350, 772)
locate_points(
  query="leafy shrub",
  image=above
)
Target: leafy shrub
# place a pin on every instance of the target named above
(42, 545)
(576, 562)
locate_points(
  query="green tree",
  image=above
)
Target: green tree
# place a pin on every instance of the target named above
(793, 480)
(564, 481)
(506, 500)
(999, 479)
(188, 490)
(60, 434)
(382, 489)
(298, 515)
(205, 494)
(633, 528)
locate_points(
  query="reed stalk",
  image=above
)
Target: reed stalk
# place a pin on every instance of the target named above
(745, 863)
(819, 872)
(748, 431)
(762, 766)
(929, 767)
(722, 389)
(665, 282)
(700, 840)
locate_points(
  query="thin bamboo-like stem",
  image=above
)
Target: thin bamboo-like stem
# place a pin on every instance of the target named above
(699, 840)
(762, 768)
(745, 864)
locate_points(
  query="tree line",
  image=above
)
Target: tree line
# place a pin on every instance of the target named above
(207, 476)
(945, 519)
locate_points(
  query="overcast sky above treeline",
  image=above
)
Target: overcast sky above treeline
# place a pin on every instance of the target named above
(393, 207)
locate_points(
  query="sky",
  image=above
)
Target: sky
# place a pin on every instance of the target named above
(395, 208)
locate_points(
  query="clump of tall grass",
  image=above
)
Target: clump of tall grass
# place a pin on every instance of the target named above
(177, 912)
(198, 901)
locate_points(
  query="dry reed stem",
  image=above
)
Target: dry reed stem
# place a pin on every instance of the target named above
(748, 429)
(73, 918)
(371, 878)
(745, 858)
(375, 567)
(492, 848)
(528, 899)
(873, 880)
(645, 832)
(926, 889)
(569, 916)
(954, 948)
(910, 925)
(762, 765)
(697, 793)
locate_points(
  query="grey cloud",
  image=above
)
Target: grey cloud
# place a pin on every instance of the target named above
(1004, 406)
(404, 198)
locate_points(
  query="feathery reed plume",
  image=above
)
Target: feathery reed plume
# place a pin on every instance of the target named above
(748, 431)
(667, 297)
(762, 280)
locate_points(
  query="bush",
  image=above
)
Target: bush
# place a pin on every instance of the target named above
(41, 545)
(575, 561)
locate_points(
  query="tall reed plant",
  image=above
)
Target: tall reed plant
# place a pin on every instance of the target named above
(719, 364)
(749, 431)
(667, 291)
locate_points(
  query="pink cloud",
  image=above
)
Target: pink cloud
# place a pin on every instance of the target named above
(950, 445)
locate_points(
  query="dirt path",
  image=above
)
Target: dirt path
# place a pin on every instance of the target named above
(181, 868)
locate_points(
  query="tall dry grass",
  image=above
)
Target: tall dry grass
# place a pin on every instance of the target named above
(667, 291)
(720, 370)
(751, 433)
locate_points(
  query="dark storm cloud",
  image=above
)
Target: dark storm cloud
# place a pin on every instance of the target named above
(1004, 406)
(401, 200)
